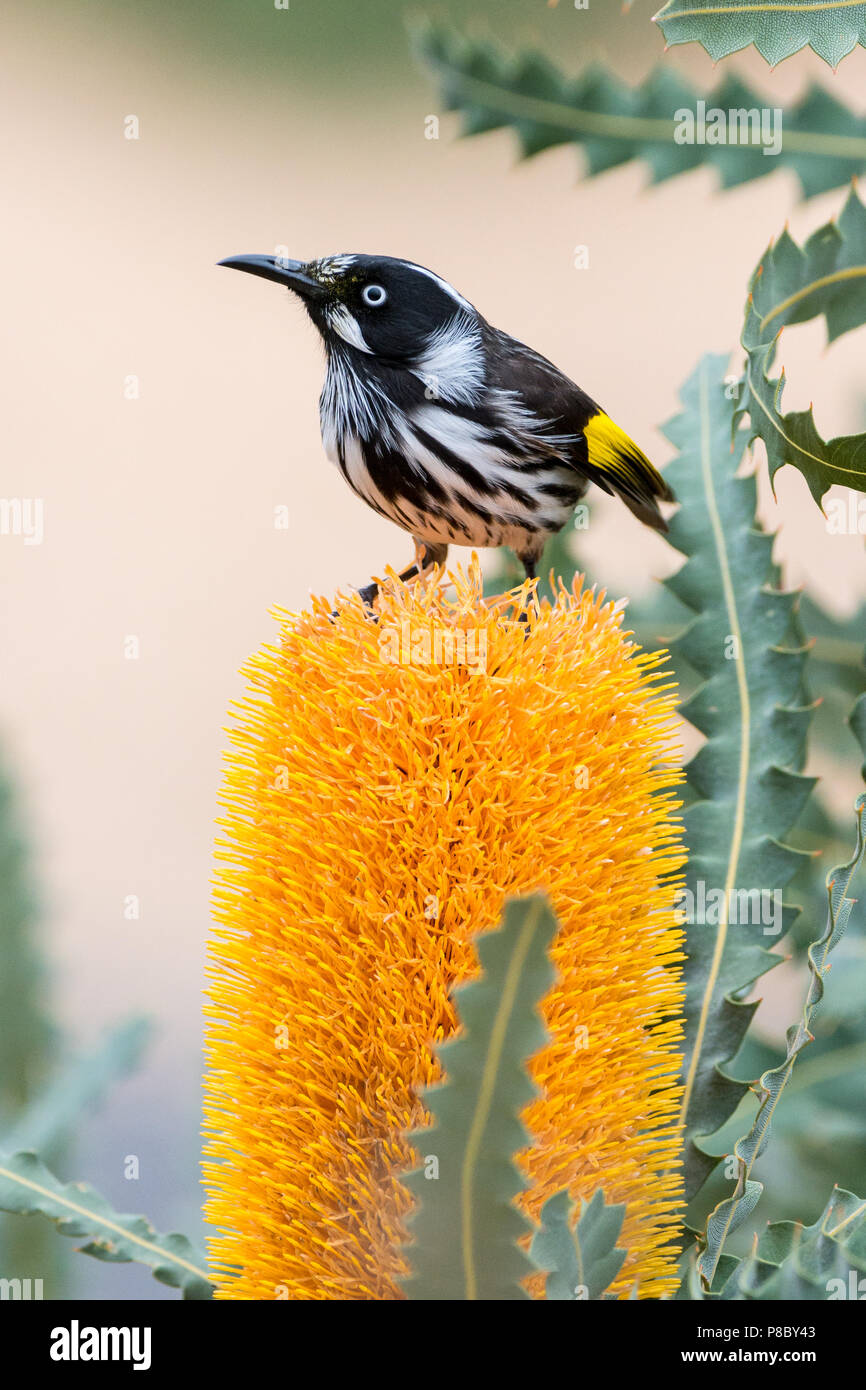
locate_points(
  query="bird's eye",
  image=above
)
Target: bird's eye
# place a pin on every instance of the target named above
(374, 295)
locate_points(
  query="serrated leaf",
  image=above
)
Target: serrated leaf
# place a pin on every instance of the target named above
(26, 1034)
(466, 1228)
(734, 1210)
(28, 1039)
(690, 1290)
(857, 721)
(55, 1111)
(832, 28)
(838, 678)
(825, 1261)
(839, 644)
(581, 1262)
(745, 789)
(821, 1126)
(612, 123)
(27, 1187)
(827, 276)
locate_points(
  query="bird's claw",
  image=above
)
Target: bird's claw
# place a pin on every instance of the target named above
(368, 596)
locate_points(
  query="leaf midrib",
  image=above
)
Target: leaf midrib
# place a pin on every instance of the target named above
(767, 1110)
(853, 272)
(660, 129)
(166, 1255)
(737, 829)
(790, 8)
(777, 421)
(486, 1091)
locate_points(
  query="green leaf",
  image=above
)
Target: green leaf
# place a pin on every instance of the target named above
(832, 28)
(825, 1261)
(612, 123)
(584, 1261)
(733, 1211)
(820, 1128)
(745, 791)
(467, 1226)
(838, 655)
(691, 1290)
(59, 1107)
(827, 276)
(27, 1037)
(838, 678)
(857, 721)
(27, 1187)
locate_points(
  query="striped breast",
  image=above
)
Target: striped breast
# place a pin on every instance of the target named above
(449, 473)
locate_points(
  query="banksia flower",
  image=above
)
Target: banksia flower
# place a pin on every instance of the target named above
(392, 784)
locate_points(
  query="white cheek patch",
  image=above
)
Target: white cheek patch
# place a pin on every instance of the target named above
(346, 326)
(451, 363)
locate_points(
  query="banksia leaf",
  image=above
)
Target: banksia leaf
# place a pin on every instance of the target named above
(393, 783)
(837, 672)
(731, 1213)
(465, 1229)
(581, 1261)
(27, 1037)
(27, 1187)
(692, 1290)
(81, 1082)
(662, 123)
(832, 28)
(825, 1261)
(792, 284)
(857, 720)
(746, 792)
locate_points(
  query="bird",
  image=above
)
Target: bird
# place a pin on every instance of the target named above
(447, 426)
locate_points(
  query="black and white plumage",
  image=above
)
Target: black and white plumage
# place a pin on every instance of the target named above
(447, 426)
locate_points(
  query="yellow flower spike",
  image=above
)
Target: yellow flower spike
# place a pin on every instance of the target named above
(392, 783)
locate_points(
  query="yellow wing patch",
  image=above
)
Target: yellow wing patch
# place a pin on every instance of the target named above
(619, 460)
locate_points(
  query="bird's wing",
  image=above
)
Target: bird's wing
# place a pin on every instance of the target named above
(601, 452)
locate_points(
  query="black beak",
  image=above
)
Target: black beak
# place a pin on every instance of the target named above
(292, 274)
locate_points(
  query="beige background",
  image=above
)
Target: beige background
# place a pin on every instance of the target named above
(159, 512)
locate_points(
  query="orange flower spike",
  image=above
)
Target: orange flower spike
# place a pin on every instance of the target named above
(392, 783)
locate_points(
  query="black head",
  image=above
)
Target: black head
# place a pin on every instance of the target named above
(377, 305)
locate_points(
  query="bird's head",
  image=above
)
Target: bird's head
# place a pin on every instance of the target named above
(378, 305)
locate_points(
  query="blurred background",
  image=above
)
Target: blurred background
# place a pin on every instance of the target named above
(163, 409)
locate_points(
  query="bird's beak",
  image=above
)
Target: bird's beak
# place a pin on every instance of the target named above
(292, 274)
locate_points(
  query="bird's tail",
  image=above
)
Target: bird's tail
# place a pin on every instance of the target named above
(617, 465)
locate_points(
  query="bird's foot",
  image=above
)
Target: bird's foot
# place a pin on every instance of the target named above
(368, 595)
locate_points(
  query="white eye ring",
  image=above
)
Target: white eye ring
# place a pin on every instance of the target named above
(374, 296)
